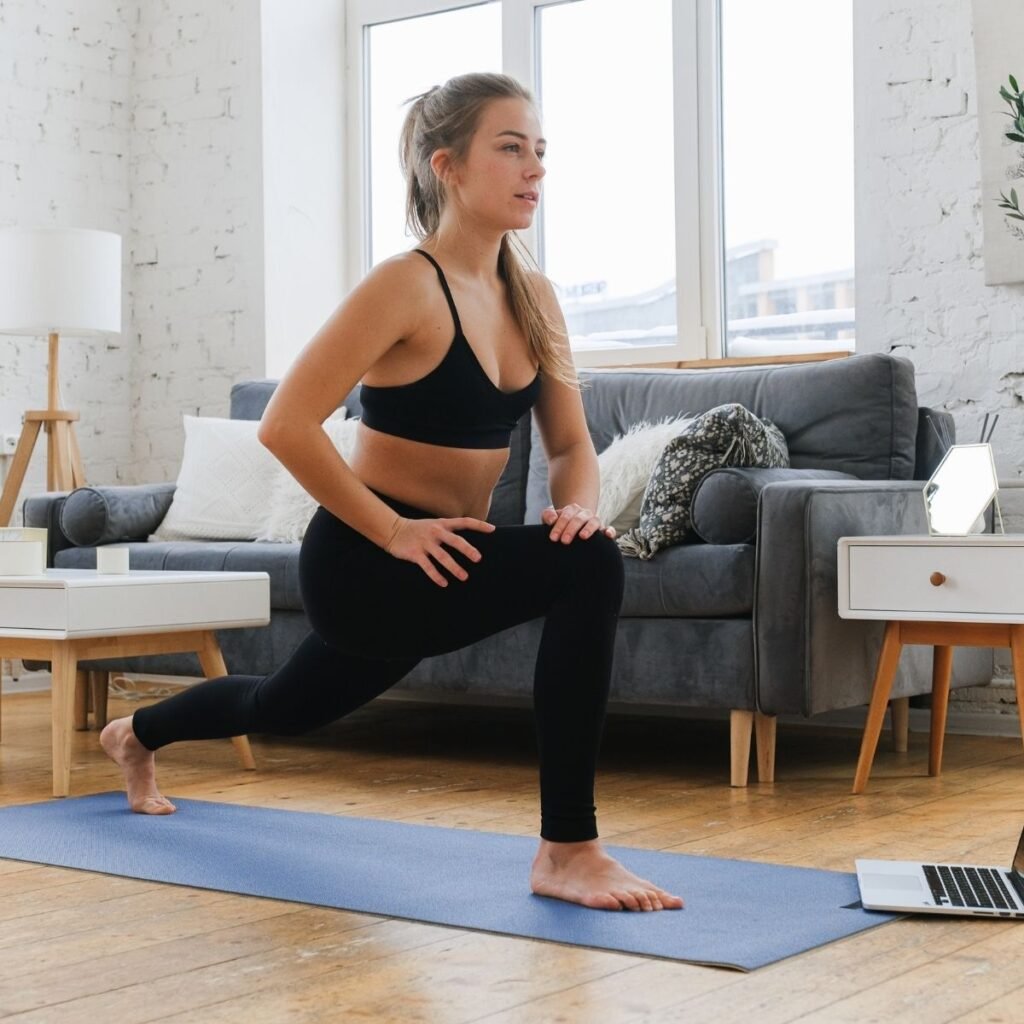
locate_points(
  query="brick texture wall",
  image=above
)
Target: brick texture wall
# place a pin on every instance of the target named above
(65, 154)
(196, 219)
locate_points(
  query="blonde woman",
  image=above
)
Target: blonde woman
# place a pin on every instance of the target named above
(404, 522)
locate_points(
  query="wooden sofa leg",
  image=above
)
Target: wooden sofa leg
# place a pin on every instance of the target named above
(900, 710)
(741, 724)
(764, 734)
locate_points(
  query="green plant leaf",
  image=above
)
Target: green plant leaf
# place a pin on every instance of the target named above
(1013, 196)
(1015, 137)
(1013, 84)
(1007, 95)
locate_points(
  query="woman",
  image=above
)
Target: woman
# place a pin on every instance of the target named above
(404, 523)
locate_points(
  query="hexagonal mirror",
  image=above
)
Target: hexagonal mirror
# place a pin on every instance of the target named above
(960, 490)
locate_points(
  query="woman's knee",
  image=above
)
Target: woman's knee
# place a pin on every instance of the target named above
(597, 562)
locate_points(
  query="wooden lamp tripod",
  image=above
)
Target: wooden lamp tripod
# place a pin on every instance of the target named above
(55, 281)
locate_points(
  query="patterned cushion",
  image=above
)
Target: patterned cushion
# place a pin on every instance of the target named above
(728, 435)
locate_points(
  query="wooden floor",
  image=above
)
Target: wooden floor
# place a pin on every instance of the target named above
(76, 946)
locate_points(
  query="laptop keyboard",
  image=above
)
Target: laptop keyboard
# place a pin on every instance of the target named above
(968, 887)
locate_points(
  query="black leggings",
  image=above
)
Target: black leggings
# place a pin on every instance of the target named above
(374, 617)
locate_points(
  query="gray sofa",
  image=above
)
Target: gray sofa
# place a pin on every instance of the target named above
(747, 623)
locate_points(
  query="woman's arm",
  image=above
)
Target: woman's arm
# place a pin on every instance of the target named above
(375, 315)
(572, 461)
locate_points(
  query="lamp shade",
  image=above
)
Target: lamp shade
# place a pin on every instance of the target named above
(60, 280)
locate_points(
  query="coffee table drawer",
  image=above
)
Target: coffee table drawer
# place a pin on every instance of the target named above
(944, 580)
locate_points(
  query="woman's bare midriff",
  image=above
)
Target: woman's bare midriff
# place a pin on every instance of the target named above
(449, 482)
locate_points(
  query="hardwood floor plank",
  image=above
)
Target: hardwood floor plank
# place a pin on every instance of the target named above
(440, 984)
(78, 946)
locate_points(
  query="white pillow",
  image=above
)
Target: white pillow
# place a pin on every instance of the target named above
(291, 506)
(225, 477)
(626, 466)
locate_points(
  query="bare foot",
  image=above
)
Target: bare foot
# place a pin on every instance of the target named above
(138, 765)
(584, 873)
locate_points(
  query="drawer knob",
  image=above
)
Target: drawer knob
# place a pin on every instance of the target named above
(937, 579)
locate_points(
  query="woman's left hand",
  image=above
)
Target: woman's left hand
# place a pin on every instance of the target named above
(566, 522)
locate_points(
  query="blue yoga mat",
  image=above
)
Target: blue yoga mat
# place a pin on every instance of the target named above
(738, 913)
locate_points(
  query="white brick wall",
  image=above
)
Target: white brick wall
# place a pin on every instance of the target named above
(65, 149)
(196, 217)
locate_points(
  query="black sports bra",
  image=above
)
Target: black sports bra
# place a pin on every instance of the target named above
(456, 404)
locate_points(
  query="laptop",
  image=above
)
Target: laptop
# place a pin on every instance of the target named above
(943, 888)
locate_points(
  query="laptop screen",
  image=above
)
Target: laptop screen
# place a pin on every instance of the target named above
(1018, 860)
(1016, 873)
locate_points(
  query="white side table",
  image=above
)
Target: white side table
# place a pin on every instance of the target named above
(69, 615)
(942, 591)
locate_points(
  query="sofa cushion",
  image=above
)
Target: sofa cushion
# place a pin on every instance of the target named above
(105, 515)
(855, 415)
(223, 484)
(626, 465)
(725, 503)
(691, 581)
(728, 435)
(279, 561)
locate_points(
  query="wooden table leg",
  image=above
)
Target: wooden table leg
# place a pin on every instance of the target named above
(888, 660)
(99, 687)
(899, 711)
(212, 662)
(942, 667)
(81, 700)
(64, 664)
(1017, 652)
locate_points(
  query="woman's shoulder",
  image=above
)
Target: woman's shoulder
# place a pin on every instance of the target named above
(401, 277)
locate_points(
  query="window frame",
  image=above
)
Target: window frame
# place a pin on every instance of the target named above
(699, 217)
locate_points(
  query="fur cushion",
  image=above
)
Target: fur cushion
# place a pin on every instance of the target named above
(728, 435)
(626, 466)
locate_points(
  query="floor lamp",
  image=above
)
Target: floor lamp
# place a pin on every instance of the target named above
(55, 281)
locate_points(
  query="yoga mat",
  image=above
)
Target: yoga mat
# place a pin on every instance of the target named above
(738, 913)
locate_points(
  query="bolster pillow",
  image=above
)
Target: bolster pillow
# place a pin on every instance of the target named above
(725, 503)
(107, 515)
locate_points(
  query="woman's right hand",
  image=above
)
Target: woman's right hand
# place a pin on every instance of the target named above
(419, 540)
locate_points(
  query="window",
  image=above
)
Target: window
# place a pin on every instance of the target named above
(699, 195)
(405, 58)
(607, 219)
(787, 171)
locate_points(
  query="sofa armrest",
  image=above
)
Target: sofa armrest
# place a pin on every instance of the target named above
(43, 510)
(809, 660)
(934, 427)
(92, 516)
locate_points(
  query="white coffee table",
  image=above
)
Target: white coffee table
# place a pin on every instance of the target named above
(941, 591)
(69, 615)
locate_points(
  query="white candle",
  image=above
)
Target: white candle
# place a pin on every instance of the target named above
(112, 558)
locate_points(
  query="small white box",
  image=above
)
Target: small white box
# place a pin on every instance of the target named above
(112, 558)
(22, 558)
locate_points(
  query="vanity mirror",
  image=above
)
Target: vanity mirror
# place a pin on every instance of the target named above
(960, 491)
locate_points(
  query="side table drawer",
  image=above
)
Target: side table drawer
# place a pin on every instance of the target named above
(977, 580)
